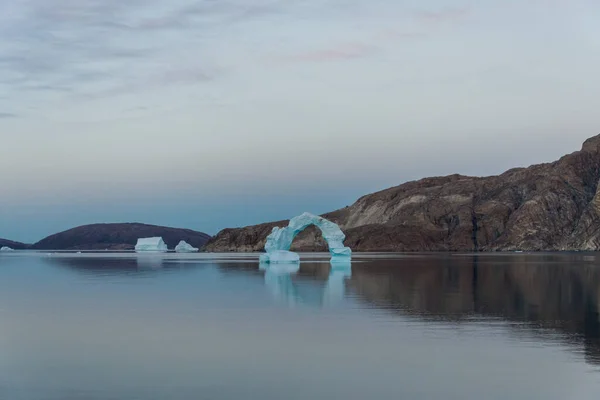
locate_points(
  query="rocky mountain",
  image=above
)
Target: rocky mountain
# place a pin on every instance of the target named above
(117, 237)
(552, 206)
(13, 245)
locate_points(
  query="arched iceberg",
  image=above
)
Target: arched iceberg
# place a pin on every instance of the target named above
(280, 240)
(185, 247)
(153, 244)
(6, 248)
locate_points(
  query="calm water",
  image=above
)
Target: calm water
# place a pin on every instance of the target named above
(87, 327)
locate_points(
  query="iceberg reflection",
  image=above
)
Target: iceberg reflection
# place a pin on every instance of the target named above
(280, 280)
(149, 261)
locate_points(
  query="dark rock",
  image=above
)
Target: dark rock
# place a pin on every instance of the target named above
(553, 206)
(13, 245)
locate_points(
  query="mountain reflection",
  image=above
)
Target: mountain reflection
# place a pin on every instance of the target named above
(99, 266)
(556, 292)
(552, 296)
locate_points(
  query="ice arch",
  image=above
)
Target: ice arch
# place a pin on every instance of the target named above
(280, 240)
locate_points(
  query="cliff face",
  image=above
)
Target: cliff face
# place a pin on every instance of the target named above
(554, 206)
(117, 237)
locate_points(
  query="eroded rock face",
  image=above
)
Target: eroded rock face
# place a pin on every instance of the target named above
(552, 206)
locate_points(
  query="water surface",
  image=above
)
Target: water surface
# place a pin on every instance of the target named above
(121, 326)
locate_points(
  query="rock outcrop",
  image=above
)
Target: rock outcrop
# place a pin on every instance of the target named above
(117, 237)
(553, 206)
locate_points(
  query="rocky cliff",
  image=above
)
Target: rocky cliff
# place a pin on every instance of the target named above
(553, 206)
(117, 237)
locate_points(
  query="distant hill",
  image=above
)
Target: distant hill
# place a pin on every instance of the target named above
(119, 236)
(13, 245)
(553, 206)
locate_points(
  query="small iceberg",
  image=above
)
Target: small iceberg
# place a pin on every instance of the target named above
(185, 247)
(6, 248)
(153, 244)
(280, 257)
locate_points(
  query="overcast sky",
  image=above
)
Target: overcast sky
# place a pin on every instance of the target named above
(216, 113)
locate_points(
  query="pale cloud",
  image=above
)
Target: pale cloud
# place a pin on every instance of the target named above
(63, 45)
(445, 15)
(347, 51)
(419, 25)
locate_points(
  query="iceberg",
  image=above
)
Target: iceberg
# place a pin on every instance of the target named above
(280, 240)
(6, 248)
(185, 247)
(153, 244)
(280, 257)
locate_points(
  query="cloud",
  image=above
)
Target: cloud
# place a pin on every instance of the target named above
(68, 46)
(169, 77)
(341, 52)
(103, 48)
(7, 115)
(354, 50)
(210, 11)
(371, 44)
(445, 15)
(395, 34)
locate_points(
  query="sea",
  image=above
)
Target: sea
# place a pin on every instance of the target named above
(126, 326)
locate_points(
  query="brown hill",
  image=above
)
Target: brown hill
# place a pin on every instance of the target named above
(553, 206)
(117, 237)
(13, 245)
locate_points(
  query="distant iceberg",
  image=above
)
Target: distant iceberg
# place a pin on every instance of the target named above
(153, 244)
(280, 240)
(6, 248)
(185, 247)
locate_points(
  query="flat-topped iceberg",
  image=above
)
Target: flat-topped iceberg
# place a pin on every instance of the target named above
(6, 248)
(280, 240)
(185, 247)
(152, 244)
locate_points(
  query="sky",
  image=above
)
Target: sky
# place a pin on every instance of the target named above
(209, 114)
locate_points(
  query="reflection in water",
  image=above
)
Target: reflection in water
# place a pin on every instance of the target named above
(411, 327)
(134, 265)
(279, 279)
(542, 294)
(554, 297)
(336, 284)
(150, 261)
